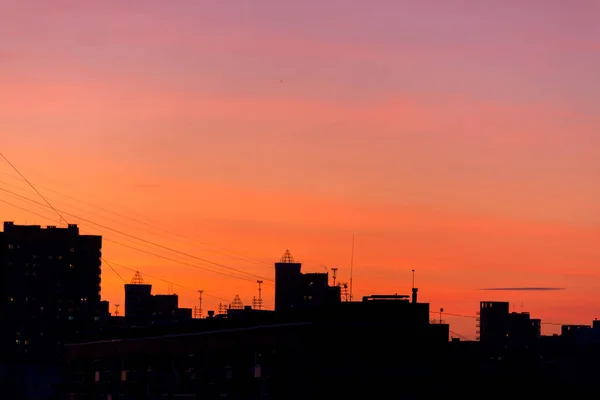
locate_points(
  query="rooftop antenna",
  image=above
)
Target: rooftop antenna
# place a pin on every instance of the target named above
(351, 267)
(200, 303)
(137, 279)
(413, 278)
(259, 304)
(117, 310)
(237, 303)
(334, 276)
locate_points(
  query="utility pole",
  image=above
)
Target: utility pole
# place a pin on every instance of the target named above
(441, 311)
(334, 276)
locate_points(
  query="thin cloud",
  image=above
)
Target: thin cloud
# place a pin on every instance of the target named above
(529, 289)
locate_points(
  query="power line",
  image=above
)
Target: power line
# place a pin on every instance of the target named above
(113, 270)
(141, 239)
(33, 187)
(180, 262)
(167, 281)
(143, 250)
(138, 249)
(222, 250)
(110, 265)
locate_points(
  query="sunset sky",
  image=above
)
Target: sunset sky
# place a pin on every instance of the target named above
(457, 138)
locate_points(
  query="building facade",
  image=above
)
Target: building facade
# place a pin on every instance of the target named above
(50, 288)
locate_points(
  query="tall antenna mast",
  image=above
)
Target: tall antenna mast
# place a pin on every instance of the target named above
(259, 294)
(351, 266)
(413, 278)
(200, 303)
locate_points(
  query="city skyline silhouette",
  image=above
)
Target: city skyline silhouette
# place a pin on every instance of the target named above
(440, 150)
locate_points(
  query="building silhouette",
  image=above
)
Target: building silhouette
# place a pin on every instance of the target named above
(295, 290)
(55, 327)
(142, 308)
(499, 328)
(50, 290)
(138, 301)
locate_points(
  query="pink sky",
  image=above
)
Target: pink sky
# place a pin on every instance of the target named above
(460, 138)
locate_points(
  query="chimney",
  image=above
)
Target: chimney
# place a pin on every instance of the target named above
(414, 295)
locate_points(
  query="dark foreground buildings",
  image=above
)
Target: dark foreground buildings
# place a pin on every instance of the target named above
(50, 289)
(58, 340)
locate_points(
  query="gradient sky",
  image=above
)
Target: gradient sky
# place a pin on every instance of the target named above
(457, 138)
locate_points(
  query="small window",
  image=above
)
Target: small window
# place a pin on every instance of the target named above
(11, 246)
(72, 250)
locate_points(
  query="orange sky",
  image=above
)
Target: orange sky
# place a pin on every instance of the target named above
(468, 154)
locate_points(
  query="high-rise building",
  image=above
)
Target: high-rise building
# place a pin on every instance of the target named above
(50, 288)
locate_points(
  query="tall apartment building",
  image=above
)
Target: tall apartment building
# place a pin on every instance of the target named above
(50, 288)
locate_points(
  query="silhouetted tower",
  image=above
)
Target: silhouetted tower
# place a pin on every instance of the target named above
(237, 303)
(138, 296)
(287, 280)
(351, 267)
(259, 303)
(117, 310)
(200, 303)
(334, 274)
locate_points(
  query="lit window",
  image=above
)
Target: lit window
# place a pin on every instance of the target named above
(70, 265)
(72, 250)
(12, 299)
(83, 299)
(70, 318)
(17, 341)
(11, 246)
(26, 342)
(59, 257)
